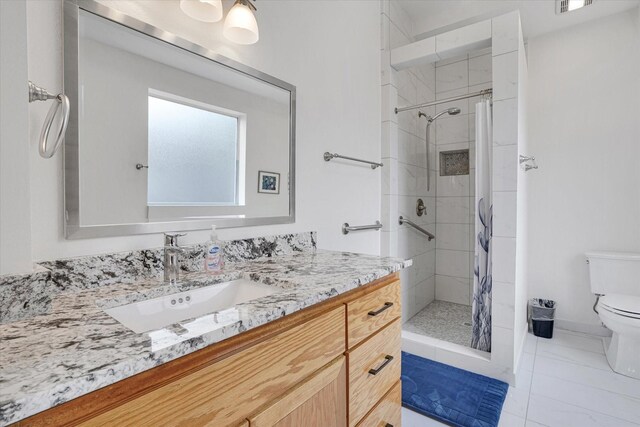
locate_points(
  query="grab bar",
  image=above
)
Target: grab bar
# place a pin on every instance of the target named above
(346, 228)
(328, 156)
(37, 93)
(402, 220)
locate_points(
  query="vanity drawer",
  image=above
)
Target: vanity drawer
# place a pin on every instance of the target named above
(388, 412)
(371, 312)
(226, 392)
(374, 367)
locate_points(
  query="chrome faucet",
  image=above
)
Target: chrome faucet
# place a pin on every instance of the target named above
(171, 261)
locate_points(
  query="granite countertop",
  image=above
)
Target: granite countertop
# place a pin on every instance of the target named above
(74, 347)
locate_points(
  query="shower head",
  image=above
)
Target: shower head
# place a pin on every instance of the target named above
(450, 111)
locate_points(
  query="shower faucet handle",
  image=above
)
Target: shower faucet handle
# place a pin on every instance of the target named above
(421, 209)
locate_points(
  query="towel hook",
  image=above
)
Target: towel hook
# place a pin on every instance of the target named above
(36, 93)
(528, 162)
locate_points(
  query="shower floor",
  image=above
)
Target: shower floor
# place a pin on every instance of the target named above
(443, 320)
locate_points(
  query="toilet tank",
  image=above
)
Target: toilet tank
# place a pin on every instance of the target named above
(614, 273)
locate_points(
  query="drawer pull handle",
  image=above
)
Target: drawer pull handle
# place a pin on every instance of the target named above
(387, 360)
(388, 425)
(384, 307)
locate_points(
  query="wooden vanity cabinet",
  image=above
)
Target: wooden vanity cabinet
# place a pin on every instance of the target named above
(334, 364)
(320, 400)
(224, 393)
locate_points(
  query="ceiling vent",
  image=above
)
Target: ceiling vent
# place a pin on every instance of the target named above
(563, 6)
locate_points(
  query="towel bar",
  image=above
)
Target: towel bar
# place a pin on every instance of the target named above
(37, 93)
(346, 228)
(328, 156)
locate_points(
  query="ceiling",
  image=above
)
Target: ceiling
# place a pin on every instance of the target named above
(538, 16)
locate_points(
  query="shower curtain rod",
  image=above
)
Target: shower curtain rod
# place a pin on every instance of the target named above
(441, 101)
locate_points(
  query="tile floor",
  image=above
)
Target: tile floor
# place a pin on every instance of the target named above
(563, 382)
(443, 320)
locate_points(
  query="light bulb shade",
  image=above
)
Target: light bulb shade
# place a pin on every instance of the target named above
(202, 10)
(241, 26)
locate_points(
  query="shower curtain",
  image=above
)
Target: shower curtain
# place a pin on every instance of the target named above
(481, 336)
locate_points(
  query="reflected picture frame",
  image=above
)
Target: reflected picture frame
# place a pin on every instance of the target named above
(268, 182)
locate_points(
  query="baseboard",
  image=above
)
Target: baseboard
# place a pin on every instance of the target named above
(585, 328)
(519, 350)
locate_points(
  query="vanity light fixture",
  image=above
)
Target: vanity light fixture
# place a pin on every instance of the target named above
(202, 10)
(241, 26)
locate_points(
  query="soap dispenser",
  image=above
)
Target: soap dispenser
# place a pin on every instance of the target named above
(214, 258)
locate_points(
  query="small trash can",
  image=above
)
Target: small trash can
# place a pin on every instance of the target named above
(541, 315)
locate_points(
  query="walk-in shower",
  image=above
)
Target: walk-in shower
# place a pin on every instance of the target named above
(451, 112)
(422, 75)
(447, 315)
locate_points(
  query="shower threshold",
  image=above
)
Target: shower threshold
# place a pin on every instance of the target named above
(443, 320)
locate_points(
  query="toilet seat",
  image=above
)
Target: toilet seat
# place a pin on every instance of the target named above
(623, 305)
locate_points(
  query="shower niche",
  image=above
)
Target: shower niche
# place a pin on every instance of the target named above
(454, 162)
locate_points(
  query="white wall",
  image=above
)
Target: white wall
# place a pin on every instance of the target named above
(455, 195)
(538, 16)
(520, 325)
(509, 79)
(404, 151)
(584, 130)
(313, 45)
(15, 228)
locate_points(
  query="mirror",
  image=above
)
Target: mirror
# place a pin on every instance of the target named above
(167, 135)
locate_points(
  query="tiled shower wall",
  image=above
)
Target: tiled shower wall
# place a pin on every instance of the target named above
(455, 195)
(404, 156)
(508, 70)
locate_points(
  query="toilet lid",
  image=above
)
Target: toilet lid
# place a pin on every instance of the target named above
(628, 305)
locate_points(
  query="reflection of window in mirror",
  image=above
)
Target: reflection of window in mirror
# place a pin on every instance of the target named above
(196, 153)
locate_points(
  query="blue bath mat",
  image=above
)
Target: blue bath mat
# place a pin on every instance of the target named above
(451, 395)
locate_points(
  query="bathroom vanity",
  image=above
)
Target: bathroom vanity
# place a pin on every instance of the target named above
(284, 335)
(324, 346)
(293, 369)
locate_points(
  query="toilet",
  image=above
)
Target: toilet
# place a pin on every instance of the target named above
(615, 278)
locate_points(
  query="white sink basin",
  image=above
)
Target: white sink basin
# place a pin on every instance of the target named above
(160, 312)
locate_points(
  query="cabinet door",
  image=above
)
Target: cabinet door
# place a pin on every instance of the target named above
(320, 400)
